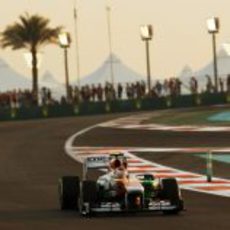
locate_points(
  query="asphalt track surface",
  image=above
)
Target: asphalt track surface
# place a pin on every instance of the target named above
(32, 159)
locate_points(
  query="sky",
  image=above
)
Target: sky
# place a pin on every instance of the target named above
(180, 33)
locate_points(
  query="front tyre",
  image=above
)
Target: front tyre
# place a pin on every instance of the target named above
(89, 196)
(69, 190)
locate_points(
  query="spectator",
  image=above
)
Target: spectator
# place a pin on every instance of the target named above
(178, 84)
(228, 83)
(93, 92)
(221, 83)
(99, 93)
(193, 85)
(166, 87)
(209, 85)
(158, 88)
(76, 95)
(119, 91)
(128, 91)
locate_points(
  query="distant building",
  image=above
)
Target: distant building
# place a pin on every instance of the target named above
(223, 61)
(121, 73)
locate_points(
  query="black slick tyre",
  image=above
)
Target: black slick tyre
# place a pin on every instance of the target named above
(89, 191)
(69, 190)
(89, 196)
(170, 191)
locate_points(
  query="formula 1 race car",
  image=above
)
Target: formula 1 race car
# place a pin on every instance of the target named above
(117, 190)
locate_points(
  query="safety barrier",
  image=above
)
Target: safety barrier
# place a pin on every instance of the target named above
(93, 108)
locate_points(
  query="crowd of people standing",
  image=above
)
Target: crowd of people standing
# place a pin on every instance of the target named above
(124, 91)
(16, 98)
(108, 92)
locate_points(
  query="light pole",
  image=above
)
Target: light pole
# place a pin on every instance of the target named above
(108, 10)
(64, 41)
(213, 28)
(146, 35)
(77, 42)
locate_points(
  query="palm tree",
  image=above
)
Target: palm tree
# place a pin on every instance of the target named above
(31, 33)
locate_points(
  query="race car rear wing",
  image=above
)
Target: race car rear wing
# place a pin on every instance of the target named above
(94, 162)
(99, 162)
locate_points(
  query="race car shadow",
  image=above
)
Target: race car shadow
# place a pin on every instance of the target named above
(133, 215)
(35, 215)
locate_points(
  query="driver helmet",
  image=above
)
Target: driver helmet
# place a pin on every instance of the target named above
(114, 164)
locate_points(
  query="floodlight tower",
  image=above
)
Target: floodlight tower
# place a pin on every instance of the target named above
(108, 11)
(64, 41)
(213, 26)
(77, 42)
(146, 35)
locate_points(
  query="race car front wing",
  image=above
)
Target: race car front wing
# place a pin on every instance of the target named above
(116, 207)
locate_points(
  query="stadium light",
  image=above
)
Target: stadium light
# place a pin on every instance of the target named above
(146, 35)
(146, 32)
(213, 26)
(65, 41)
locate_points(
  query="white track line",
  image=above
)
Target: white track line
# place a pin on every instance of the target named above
(89, 149)
(134, 122)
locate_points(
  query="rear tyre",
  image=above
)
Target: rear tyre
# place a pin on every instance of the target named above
(170, 191)
(69, 190)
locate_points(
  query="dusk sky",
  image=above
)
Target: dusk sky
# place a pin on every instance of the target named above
(180, 34)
